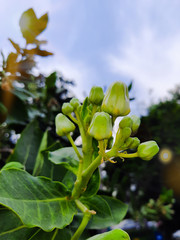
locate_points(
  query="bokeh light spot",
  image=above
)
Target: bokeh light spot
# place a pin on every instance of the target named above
(165, 155)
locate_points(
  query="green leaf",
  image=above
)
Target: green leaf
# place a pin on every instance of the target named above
(51, 80)
(11, 227)
(38, 201)
(84, 111)
(13, 165)
(22, 93)
(31, 26)
(130, 86)
(93, 185)
(116, 234)
(27, 147)
(63, 234)
(49, 169)
(69, 180)
(17, 111)
(40, 158)
(109, 211)
(67, 157)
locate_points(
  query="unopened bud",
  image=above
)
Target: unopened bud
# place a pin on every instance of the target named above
(96, 95)
(116, 100)
(67, 108)
(101, 126)
(63, 125)
(148, 150)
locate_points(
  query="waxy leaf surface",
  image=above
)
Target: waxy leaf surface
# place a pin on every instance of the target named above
(116, 234)
(67, 157)
(38, 201)
(11, 227)
(109, 212)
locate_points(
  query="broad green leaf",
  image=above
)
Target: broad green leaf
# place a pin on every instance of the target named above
(116, 234)
(27, 147)
(40, 158)
(67, 157)
(69, 180)
(11, 227)
(57, 234)
(109, 211)
(38, 201)
(93, 185)
(13, 165)
(49, 169)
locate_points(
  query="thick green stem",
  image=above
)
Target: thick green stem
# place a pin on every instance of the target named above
(87, 150)
(82, 181)
(87, 215)
(82, 226)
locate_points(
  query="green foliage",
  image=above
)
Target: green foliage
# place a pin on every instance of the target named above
(159, 208)
(65, 156)
(115, 234)
(41, 196)
(162, 123)
(49, 190)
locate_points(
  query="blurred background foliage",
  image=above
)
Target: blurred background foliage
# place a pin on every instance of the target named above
(29, 103)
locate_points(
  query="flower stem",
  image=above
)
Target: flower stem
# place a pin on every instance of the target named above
(73, 118)
(55, 233)
(74, 146)
(126, 155)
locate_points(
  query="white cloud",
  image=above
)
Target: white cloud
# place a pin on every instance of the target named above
(151, 61)
(71, 69)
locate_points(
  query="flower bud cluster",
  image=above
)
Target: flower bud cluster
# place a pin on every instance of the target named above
(96, 117)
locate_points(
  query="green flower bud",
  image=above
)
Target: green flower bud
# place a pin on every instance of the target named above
(75, 103)
(101, 126)
(127, 143)
(136, 123)
(96, 95)
(116, 100)
(121, 136)
(126, 122)
(148, 150)
(67, 108)
(135, 143)
(63, 125)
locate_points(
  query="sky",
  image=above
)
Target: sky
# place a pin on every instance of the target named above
(98, 42)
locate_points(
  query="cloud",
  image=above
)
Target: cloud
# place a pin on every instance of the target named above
(149, 52)
(75, 70)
